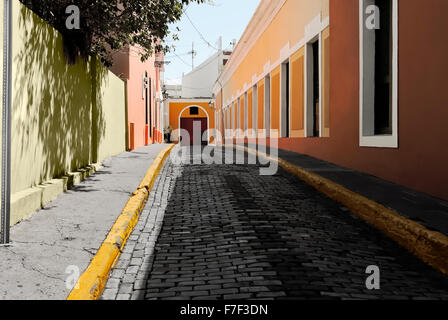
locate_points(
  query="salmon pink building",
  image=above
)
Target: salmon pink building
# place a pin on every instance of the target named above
(358, 83)
(144, 95)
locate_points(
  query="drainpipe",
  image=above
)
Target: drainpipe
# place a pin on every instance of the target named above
(6, 122)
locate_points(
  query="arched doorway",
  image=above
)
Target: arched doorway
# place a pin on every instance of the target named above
(192, 117)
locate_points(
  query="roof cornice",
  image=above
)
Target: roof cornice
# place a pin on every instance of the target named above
(263, 16)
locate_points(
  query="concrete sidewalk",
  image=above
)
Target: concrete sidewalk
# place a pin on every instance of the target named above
(428, 211)
(65, 235)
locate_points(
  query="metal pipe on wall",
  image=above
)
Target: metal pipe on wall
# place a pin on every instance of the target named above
(6, 123)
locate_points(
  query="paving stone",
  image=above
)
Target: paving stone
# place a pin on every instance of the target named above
(123, 296)
(109, 294)
(113, 283)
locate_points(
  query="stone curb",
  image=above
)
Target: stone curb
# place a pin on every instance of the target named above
(429, 246)
(91, 283)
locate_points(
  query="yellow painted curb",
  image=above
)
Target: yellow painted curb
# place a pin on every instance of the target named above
(153, 171)
(91, 283)
(429, 246)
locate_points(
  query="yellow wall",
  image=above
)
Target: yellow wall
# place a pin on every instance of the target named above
(242, 103)
(235, 114)
(260, 102)
(249, 109)
(112, 99)
(275, 99)
(286, 30)
(64, 117)
(297, 93)
(288, 26)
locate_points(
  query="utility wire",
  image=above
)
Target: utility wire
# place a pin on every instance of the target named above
(178, 55)
(186, 63)
(199, 32)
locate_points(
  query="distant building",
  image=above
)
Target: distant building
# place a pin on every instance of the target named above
(173, 90)
(144, 95)
(199, 82)
(193, 101)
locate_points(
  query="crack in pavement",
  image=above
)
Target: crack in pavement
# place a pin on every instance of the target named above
(32, 268)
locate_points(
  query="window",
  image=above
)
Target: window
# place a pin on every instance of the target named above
(313, 87)
(146, 97)
(254, 108)
(284, 123)
(379, 73)
(260, 107)
(194, 111)
(316, 89)
(149, 106)
(246, 113)
(267, 105)
(238, 114)
(250, 112)
(297, 94)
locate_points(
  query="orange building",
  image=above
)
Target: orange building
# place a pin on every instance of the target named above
(264, 89)
(330, 79)
(143, 96)
(184, 113)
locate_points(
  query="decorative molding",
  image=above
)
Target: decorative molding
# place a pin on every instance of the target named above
(285, 52)
(188, 100)
(262, 18)
(315, 27)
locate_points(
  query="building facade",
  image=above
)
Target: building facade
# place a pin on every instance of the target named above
(144, 95)
(354, 82)
(184, 113)
(195, 105)
(199, 82)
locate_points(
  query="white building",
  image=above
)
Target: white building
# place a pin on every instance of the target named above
(197, 85)
(199, 82)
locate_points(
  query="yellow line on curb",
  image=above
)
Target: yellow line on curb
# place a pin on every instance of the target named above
(91, 283)
(429, 246)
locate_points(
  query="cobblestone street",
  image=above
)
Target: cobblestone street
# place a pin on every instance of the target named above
(226, 232)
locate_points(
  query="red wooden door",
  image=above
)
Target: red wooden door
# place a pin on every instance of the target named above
(188, 125)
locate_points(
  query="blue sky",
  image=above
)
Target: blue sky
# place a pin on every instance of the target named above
(226, 18)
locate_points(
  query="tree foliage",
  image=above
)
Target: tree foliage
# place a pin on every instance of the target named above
(109, 25)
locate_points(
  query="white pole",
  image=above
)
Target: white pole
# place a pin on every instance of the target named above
(6, 121)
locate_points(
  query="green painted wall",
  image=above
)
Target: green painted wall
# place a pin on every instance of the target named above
(64, 117)
(112, 140)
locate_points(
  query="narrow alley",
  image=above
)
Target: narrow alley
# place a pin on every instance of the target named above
(224, 150)
(226, 232)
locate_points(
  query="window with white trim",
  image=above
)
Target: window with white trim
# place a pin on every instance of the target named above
(285, 99)
(246, 108)
(313, 86)
(255, 108)
(267, 105)
(379, 73)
